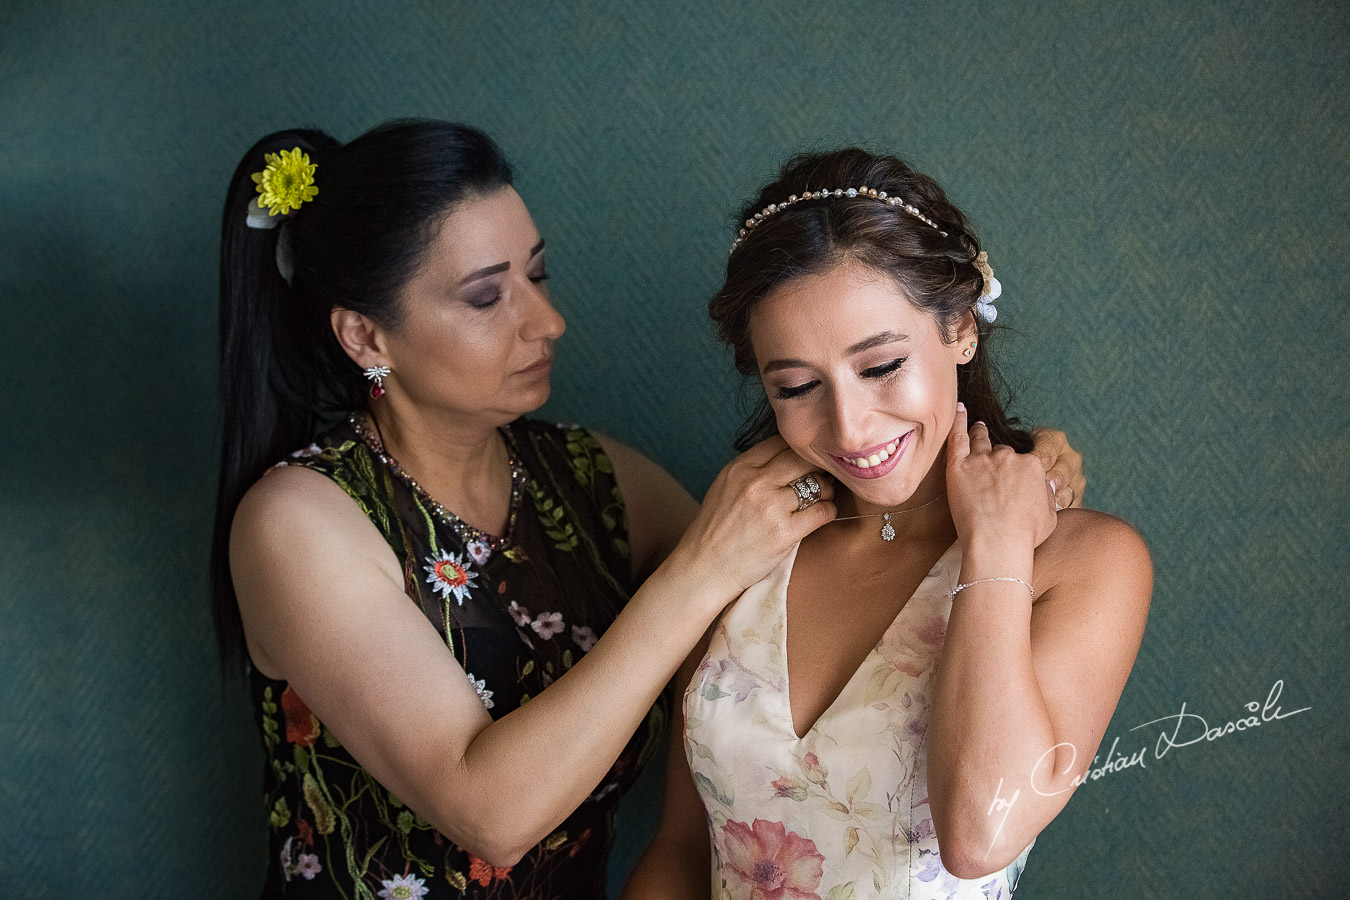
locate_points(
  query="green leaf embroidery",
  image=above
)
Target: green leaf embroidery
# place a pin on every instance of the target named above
(323, 814)
(405, 821)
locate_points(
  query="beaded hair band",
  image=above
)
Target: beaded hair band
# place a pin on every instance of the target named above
(897, 202)
(984, 307)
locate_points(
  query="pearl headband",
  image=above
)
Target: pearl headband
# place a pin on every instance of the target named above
(889, 200)
(984, 306)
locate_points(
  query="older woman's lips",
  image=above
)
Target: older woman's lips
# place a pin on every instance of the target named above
(879, 461)
(537, 368)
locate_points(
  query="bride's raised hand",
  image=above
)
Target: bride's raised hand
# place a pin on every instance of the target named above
(751, 518)
(993, 490)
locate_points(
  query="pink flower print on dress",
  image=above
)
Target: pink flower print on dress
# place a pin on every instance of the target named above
(791, 787)
(770, 862)
(584, 637)
(546, 625)
(448, 576)
(478, 551)
(520, 614)
(308, 866)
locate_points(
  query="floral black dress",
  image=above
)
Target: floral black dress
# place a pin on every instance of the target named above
(516, 616)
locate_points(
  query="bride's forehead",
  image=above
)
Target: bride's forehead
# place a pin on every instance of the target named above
(837, 306)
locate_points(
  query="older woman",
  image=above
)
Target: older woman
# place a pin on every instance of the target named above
(459, 619)
(901, 706)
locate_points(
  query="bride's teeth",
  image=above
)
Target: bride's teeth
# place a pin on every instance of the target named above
(861, 463)
(884, 454)
(874, 460)
(890, 448)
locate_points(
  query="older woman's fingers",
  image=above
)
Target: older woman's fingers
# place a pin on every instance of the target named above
(979, 438)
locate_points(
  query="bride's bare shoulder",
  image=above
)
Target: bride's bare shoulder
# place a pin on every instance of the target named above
(1090, 549)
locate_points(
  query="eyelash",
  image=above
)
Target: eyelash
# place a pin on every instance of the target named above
(537, 279)
(882, 371)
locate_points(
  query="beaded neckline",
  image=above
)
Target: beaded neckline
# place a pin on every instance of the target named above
(466, 532)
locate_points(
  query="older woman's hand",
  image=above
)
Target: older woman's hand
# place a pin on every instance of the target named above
(993, 490)
(750, 519)
(1063, 466)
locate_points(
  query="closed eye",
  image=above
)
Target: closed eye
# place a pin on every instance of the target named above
(796, 390)
(885, 369)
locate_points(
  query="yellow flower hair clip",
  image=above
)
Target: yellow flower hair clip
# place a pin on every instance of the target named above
(286, 182)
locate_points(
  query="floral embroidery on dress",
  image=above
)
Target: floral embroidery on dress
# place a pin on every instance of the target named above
(479, 552)
(337, 832)
(483, 693)
(585, 638)
(546, 625)
(404, 887)
(447, 574)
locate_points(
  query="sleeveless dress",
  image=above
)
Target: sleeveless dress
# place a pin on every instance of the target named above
(515, 617)
(843, 811)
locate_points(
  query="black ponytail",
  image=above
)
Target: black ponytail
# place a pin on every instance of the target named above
(283, 376)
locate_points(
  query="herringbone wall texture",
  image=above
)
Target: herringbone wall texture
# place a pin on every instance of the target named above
(1162, 187)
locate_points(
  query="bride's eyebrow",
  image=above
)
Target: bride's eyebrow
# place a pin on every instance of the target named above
(876, 340)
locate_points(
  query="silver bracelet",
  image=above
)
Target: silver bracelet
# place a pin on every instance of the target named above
(961, 587)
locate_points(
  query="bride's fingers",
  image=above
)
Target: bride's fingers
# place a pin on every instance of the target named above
(958, 440)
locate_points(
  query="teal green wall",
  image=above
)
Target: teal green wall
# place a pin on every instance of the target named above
(1162, 188)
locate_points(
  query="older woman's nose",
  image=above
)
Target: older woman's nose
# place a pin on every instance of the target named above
(543, 319)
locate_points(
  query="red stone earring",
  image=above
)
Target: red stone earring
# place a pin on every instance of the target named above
(377, 375)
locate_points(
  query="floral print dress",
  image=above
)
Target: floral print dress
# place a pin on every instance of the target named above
(842, 812)
(516, 617)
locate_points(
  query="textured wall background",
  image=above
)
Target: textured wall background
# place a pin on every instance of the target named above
(1162, 187)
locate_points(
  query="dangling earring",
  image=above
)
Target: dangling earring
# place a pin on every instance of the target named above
(377, 375)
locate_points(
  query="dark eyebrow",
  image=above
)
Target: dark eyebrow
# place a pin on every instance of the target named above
(876, 340)
(499, 267)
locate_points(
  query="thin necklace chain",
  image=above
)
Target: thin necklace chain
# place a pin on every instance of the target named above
(466, 532)
(894, 512)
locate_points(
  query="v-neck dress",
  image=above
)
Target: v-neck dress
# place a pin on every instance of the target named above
(843, 810)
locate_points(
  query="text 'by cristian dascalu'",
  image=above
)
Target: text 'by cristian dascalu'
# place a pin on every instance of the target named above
(1188, 729)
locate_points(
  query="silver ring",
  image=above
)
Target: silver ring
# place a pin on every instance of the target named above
(807, 490)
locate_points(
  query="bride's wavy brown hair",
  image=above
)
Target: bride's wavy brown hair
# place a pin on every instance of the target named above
(935, 271)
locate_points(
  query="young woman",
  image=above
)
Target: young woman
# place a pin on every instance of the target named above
(459, 619)
(902, 705)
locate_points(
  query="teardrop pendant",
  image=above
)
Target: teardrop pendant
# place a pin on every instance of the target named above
(888, 530)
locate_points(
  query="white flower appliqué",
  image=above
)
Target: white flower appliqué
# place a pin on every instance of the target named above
(480, 686)
(448, 575)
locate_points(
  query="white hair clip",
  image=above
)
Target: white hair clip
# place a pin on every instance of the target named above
(984, 305)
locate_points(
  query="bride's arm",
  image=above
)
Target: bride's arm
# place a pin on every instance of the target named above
(1023, 692)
